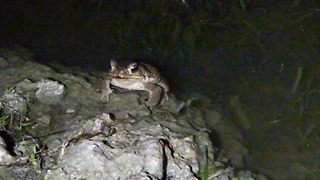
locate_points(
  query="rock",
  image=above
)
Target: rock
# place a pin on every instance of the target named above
(5, 156)
(132, 106)
(26, 86)
(14, 103)
(122, 139)
(50, 92)
(44, 120)
(132, 151)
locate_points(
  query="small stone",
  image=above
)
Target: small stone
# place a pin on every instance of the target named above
(14, 103)
(5, 156)
(44, 120)
(50, 92)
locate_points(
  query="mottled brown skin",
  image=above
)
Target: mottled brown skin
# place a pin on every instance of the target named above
(136, 76)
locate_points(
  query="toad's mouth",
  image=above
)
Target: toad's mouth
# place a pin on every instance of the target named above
(124, 77)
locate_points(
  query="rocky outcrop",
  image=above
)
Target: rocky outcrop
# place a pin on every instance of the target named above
(62, 130)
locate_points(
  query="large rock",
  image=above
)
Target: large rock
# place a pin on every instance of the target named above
(71, 134)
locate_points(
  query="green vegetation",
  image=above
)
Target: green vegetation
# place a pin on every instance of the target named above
(3, 121)
(11, 89)
(208, 170)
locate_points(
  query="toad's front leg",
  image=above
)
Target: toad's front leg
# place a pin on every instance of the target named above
(106, 90)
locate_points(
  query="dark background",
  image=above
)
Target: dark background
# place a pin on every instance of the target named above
(221, 49)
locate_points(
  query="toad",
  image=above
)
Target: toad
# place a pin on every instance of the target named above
(136, 76)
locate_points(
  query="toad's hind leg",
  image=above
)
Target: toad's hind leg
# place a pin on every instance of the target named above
(155, 94)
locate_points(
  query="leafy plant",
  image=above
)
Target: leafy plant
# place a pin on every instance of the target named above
(11, 89)
(3, 121)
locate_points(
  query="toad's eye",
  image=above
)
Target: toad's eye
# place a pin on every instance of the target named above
(133, 68)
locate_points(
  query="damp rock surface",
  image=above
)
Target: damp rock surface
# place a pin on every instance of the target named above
(64, 131)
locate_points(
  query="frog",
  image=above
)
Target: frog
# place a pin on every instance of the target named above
(139, 76)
